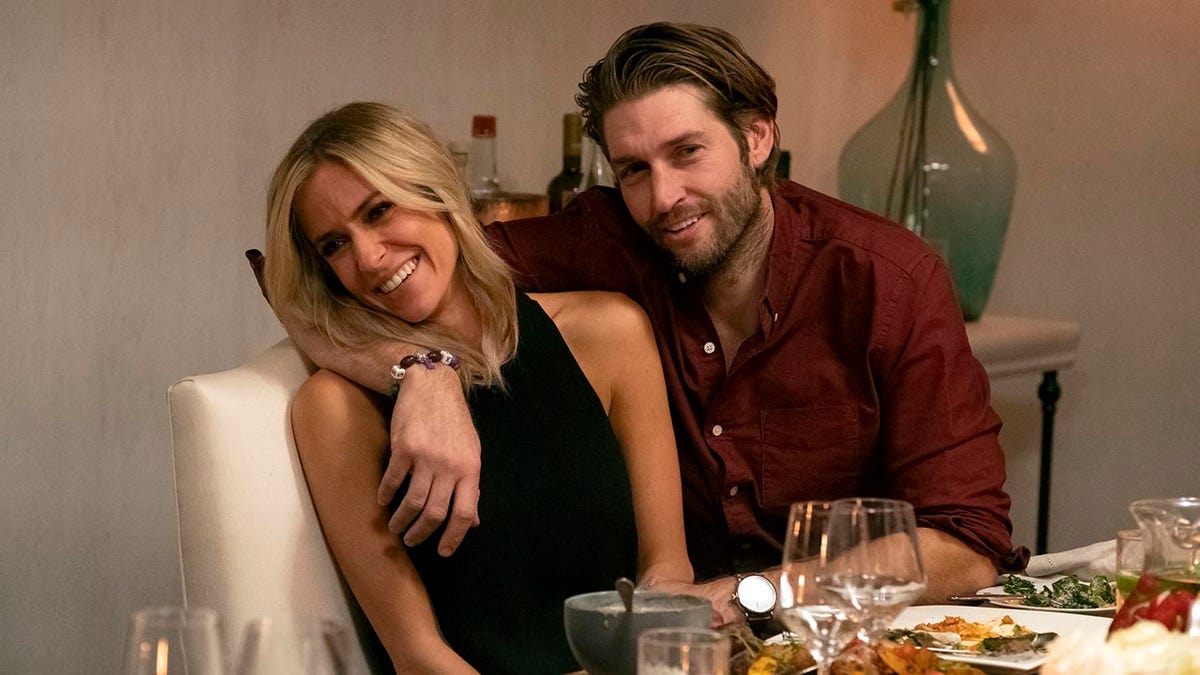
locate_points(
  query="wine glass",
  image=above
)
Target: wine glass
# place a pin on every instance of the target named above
(824, 626)
(300, 645)
(873, 561)
(173, 641)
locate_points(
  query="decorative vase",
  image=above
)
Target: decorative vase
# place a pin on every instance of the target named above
(931, 163)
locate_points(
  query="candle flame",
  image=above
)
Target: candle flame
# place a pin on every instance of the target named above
(160, 663)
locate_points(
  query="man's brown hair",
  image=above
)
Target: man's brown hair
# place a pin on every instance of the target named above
(647, 58)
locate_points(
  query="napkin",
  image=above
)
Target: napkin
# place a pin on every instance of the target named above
(1084, 562)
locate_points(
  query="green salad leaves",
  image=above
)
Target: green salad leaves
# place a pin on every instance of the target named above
(1067, 593)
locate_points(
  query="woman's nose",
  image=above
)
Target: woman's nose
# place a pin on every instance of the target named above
(369, 252)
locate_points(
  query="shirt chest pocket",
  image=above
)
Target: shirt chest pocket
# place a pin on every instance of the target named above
(810, 453)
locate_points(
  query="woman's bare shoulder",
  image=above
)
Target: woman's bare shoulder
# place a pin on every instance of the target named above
(589, 316)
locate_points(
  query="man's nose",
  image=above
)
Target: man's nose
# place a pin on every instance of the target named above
(666, 188)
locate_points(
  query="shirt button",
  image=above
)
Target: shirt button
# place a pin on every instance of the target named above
(776, 317)
(717, 430)
(682, 278)
(733, 491)
(709, 348)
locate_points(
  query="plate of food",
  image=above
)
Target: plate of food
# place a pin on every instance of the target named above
(784, 654)
(1055, 594)
(1001, 640)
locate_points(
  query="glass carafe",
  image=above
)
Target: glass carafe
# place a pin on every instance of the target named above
(1170, 578)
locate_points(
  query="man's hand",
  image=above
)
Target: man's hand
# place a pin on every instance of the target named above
(434, 439)
(719, 592)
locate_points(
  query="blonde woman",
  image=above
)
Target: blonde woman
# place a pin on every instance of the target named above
(370, 238)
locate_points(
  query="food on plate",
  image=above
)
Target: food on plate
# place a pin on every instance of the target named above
(788, 656)
(954, 633)
(1167, 601)
(910, 660)
(1069, 592)
(784, 656)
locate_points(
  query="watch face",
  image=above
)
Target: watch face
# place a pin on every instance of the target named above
(756, 594)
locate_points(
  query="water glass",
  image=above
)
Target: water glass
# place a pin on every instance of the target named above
(297, 645)
(1131, 552)
(173, 641)
(680, 651)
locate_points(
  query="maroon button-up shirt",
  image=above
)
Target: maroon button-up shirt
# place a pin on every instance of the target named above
(858, 382)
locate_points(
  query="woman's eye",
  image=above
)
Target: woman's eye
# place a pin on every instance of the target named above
(376, 212)
(331, 246)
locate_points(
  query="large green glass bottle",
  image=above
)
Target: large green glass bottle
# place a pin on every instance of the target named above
(931, 163)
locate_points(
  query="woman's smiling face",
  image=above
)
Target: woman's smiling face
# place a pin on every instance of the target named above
(393, 259)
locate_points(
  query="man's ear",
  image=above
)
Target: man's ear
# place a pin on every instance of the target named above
(760, 138)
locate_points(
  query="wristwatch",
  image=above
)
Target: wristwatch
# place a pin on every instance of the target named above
(755, 595)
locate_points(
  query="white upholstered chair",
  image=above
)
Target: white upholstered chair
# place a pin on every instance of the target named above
(250, 543)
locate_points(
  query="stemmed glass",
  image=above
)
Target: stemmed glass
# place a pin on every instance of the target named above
(300, 645)
(873, 561)
(173, 641)
(824, 626)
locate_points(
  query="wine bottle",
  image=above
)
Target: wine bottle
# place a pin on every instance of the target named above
(482, 157)
(565, 185)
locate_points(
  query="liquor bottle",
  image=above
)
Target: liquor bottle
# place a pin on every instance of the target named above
(596, 170)
(784, 168)
(565, 185)
(482, 157)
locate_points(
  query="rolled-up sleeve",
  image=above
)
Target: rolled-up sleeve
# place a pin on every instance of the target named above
(940, 435)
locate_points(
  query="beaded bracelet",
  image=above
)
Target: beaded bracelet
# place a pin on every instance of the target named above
(427, 359)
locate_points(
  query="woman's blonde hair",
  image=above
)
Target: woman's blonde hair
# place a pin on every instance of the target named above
(402, 159)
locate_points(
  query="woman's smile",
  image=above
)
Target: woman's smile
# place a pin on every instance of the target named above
(400, 277)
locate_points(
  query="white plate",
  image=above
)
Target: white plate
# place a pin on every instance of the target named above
(1042, 622)
(1040, 583)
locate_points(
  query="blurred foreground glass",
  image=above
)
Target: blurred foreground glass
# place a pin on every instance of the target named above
(675, 651)
(824, 626)
(294, 645)
(173, 641)
(1131, 554)
(873, 561)
(1169, 586)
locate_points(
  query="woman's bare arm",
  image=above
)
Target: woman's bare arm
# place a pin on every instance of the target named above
(341, 435)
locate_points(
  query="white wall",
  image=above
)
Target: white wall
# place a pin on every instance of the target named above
(136, 139)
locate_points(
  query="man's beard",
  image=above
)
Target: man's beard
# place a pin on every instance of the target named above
(734, 213)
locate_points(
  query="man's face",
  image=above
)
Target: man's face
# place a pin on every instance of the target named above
(682, 175)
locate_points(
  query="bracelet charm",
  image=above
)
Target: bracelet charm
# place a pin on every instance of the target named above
(428, 359)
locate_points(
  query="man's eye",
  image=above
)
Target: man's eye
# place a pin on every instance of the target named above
(378, 211)
(689, 150)
(630, 172)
